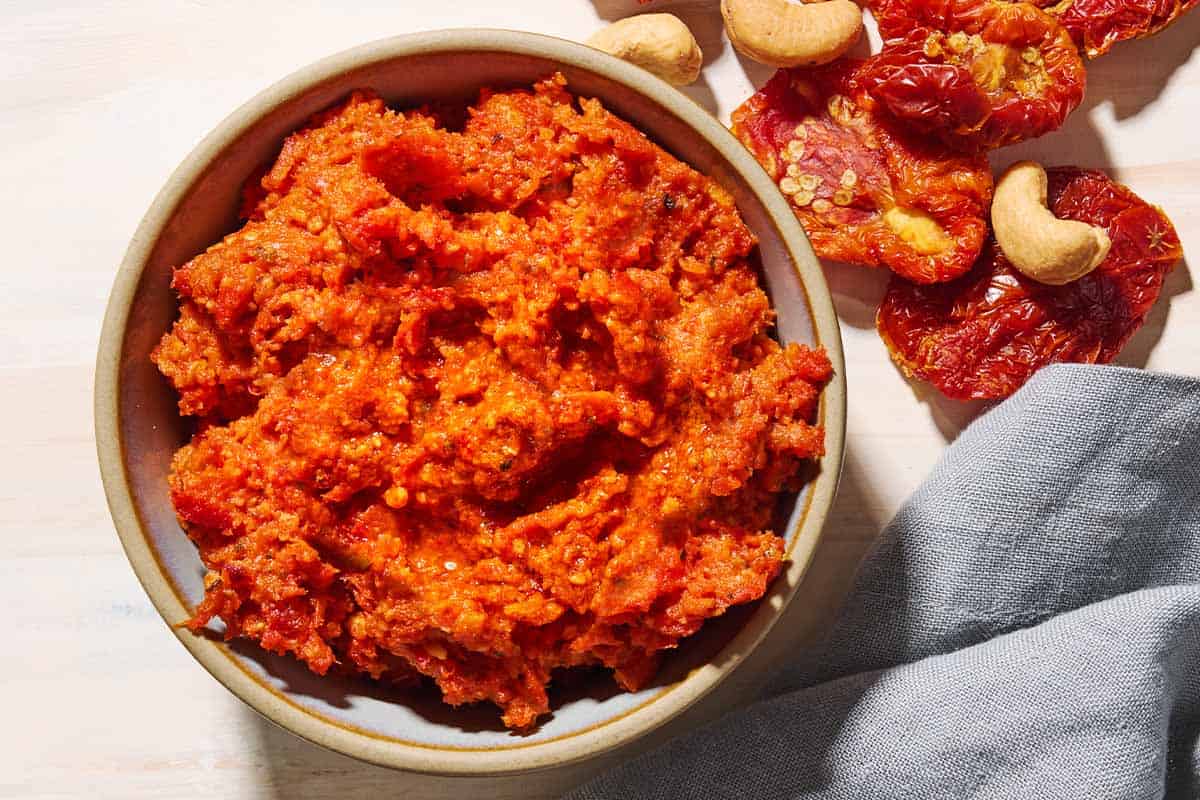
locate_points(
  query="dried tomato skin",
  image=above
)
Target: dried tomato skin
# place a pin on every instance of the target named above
(935, 96)
(982, 336)
(977, 73)
(892, 166)
(1097, 25)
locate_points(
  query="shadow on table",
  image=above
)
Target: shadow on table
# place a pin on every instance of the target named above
(297, 770)
(1137, 352)
(706, 25)
(857, 291)
(1134, 73)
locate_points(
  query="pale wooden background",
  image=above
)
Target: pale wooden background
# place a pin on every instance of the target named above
(98, 102)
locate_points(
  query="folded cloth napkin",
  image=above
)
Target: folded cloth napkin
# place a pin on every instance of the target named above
(1028, 626)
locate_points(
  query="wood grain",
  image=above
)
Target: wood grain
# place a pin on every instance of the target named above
(98, 102)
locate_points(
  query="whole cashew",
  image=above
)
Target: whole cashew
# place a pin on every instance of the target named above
(785, 34)
(1047, 249)
(659, 43)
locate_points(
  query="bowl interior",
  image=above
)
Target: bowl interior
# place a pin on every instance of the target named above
(150, 429)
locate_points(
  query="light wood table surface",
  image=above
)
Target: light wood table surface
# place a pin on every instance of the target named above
(98, 103)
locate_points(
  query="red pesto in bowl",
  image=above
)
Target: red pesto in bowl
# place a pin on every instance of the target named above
(482, 394)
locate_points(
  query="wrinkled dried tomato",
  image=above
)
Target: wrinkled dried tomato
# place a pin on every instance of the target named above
(983, 335)
(1096, 25)
(867, 190)
(977, 73)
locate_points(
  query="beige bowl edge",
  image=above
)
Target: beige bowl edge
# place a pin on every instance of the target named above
(362, 744)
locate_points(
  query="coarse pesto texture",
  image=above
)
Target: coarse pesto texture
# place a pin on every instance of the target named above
(483, 394)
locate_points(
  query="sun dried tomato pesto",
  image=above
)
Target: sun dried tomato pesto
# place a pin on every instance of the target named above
(483, 398)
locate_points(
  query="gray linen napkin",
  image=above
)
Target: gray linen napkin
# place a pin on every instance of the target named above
(1027, 627)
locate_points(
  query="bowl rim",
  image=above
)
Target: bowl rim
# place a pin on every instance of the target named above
(338, 735)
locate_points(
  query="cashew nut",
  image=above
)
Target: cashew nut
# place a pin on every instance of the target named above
(659, 43)
(1047, 249)
(785, 34)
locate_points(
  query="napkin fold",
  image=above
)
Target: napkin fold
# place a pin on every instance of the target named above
(1028, 626)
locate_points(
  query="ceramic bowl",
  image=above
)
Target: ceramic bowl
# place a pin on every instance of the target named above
(138, 428)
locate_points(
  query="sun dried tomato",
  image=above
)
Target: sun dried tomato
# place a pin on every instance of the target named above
(866, 189)
(984, 335)
(1096, 25)
(977, 73)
